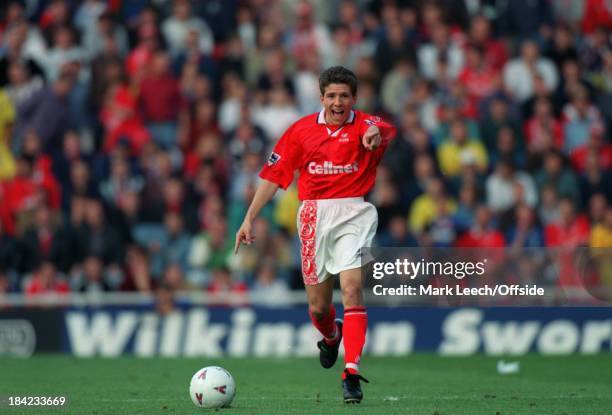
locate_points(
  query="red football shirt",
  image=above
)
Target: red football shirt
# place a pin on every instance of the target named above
(332, 161)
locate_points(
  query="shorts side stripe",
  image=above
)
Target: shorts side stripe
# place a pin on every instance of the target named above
(308, 229)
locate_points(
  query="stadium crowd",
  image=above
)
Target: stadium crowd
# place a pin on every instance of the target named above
(132, 132)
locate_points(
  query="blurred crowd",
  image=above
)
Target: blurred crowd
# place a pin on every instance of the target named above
(132, 132)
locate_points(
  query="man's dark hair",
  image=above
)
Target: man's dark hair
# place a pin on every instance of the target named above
(338, 75)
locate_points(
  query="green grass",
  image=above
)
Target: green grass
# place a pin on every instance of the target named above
(417, 384)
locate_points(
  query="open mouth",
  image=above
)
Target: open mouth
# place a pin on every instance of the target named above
(337, 113)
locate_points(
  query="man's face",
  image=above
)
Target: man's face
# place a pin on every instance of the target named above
(337, 100)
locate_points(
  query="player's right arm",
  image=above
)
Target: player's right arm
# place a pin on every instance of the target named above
(264, 193)
(277, 172)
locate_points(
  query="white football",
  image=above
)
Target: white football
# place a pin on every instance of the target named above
(212, 387)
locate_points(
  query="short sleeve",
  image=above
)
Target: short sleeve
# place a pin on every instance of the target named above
(283, 161)
(387, 130)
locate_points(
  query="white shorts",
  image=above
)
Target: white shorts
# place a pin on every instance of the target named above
(332, 233)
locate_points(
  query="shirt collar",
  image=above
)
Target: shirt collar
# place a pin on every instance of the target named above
(321, 117)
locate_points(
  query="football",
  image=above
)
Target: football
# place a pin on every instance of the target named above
(212, 387)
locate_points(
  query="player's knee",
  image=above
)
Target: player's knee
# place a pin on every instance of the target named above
(318, 311)
(352, 296)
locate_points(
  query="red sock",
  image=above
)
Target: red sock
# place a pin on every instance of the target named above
(354, 333)
(327, 326)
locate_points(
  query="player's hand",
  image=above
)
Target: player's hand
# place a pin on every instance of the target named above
(371, 139)
(244, 235)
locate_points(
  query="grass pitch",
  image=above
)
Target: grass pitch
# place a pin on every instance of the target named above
(416, 384)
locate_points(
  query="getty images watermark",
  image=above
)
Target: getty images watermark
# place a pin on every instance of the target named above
(405, 268)
(486, 276)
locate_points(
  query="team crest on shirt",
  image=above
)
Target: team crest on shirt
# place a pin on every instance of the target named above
(372, 121)
(273, 159)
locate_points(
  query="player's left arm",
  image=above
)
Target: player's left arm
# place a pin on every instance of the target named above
(378, 133)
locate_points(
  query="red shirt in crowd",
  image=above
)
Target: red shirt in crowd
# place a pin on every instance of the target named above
(566, 239)
(579, 157)
(160, 98)
(489, 238)
(36, 287)
(332, 161)
(122, 122)
(479, 83)
(597, 13)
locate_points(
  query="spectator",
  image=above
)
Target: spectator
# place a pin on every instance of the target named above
(64, 53)
(23, 42)
(595, 178)
(120, 182)
(7, 116)
(544, 132)
(160, 101)
(526, 18)
(396, 86)
(28, 190)
(502, 192)
(5, 282)
(21, 82)
(307, 85)
(597, 208)
(480, 35)
(177, 27)
(460, 147)
(98, 238)
(482, 234)
(568, 233)
(571, 229)
(395, 46)
(268, 289)
(46, 113)
(343, 51)
(174, 278)
(426, 207)
(45, 281)
(276, 116)
(396, 234)
(573, 81)
(548, 211)
(480, 79)
(440, 55)
(583, 119)
(600, 242)
(90, 278)
(519, 73)
(225, 291)
(97, 26)
(596, 14)
(563, 48)
(524, 231)
(307, 36)
(463, 217)
(176, 243)
(121, 121)
(165, 303)
(209, 250)
(554, 173)
(45, 240)
(137, 271)
(596, 46)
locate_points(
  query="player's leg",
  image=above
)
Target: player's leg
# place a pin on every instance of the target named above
(354, 332)
(323, 316)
